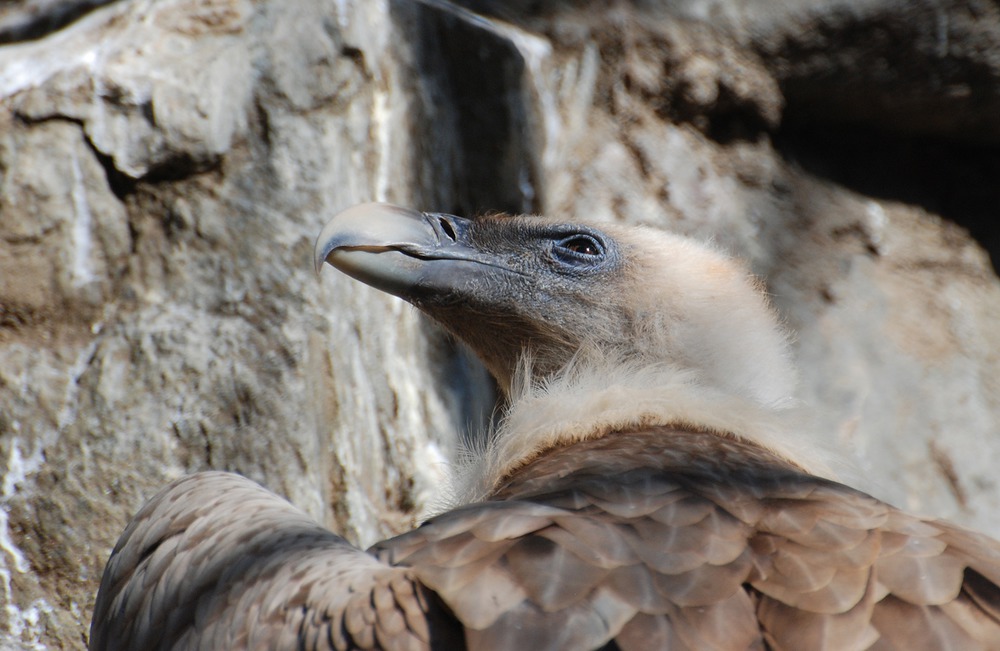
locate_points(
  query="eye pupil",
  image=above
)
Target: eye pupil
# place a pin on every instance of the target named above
(582, 245)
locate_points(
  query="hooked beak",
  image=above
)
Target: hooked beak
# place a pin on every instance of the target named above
(399, 250)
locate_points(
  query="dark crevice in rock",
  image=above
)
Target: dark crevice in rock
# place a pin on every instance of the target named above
(33, 19)
(180, 166)
(120, 183)
(955, 181)
(924, 71)
(177, 166)
(524, 10)
(16, 317)
(260, 123)
(478, 122)
(728, 119)
(357, 55)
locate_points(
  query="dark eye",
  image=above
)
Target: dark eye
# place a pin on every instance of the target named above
(582, 245)
(579, 249)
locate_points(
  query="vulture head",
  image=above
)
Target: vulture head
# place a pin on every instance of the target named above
(570, 317)
(512, 287)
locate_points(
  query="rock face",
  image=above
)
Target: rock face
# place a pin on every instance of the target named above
(165, 165)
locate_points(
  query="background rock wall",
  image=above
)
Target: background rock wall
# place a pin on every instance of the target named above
(165, 166)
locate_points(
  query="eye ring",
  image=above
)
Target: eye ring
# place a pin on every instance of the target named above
(579, 249)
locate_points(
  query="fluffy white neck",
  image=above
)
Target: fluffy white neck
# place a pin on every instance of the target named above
(595, 396)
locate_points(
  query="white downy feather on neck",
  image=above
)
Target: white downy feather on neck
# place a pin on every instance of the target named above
(597, 394)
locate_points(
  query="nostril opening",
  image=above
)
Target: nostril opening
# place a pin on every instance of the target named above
(448, 229)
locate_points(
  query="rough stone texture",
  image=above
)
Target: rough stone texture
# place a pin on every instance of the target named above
(165, 165)
(22, 20)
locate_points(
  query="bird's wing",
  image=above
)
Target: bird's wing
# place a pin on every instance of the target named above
(595, 544)
(834, 564)
(679, 540)
(651, 540)
(215, 561)
(655, 571)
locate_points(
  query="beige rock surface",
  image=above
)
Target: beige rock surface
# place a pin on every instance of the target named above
(165, 165)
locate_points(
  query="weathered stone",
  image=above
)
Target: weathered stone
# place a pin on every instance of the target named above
(76, 244)
(918, 68)
(165, 167)
(166, 100)
(22, 20)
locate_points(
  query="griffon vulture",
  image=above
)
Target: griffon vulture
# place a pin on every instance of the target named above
(643, 491)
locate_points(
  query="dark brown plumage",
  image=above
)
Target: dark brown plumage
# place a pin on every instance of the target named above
(639, 526)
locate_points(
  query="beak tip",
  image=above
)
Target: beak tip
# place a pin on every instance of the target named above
(320, 252)
(319, 258)
(376, 221)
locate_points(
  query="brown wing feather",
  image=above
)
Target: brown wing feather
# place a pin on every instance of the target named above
(656, 539)
(706, 543)
(215, 561)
